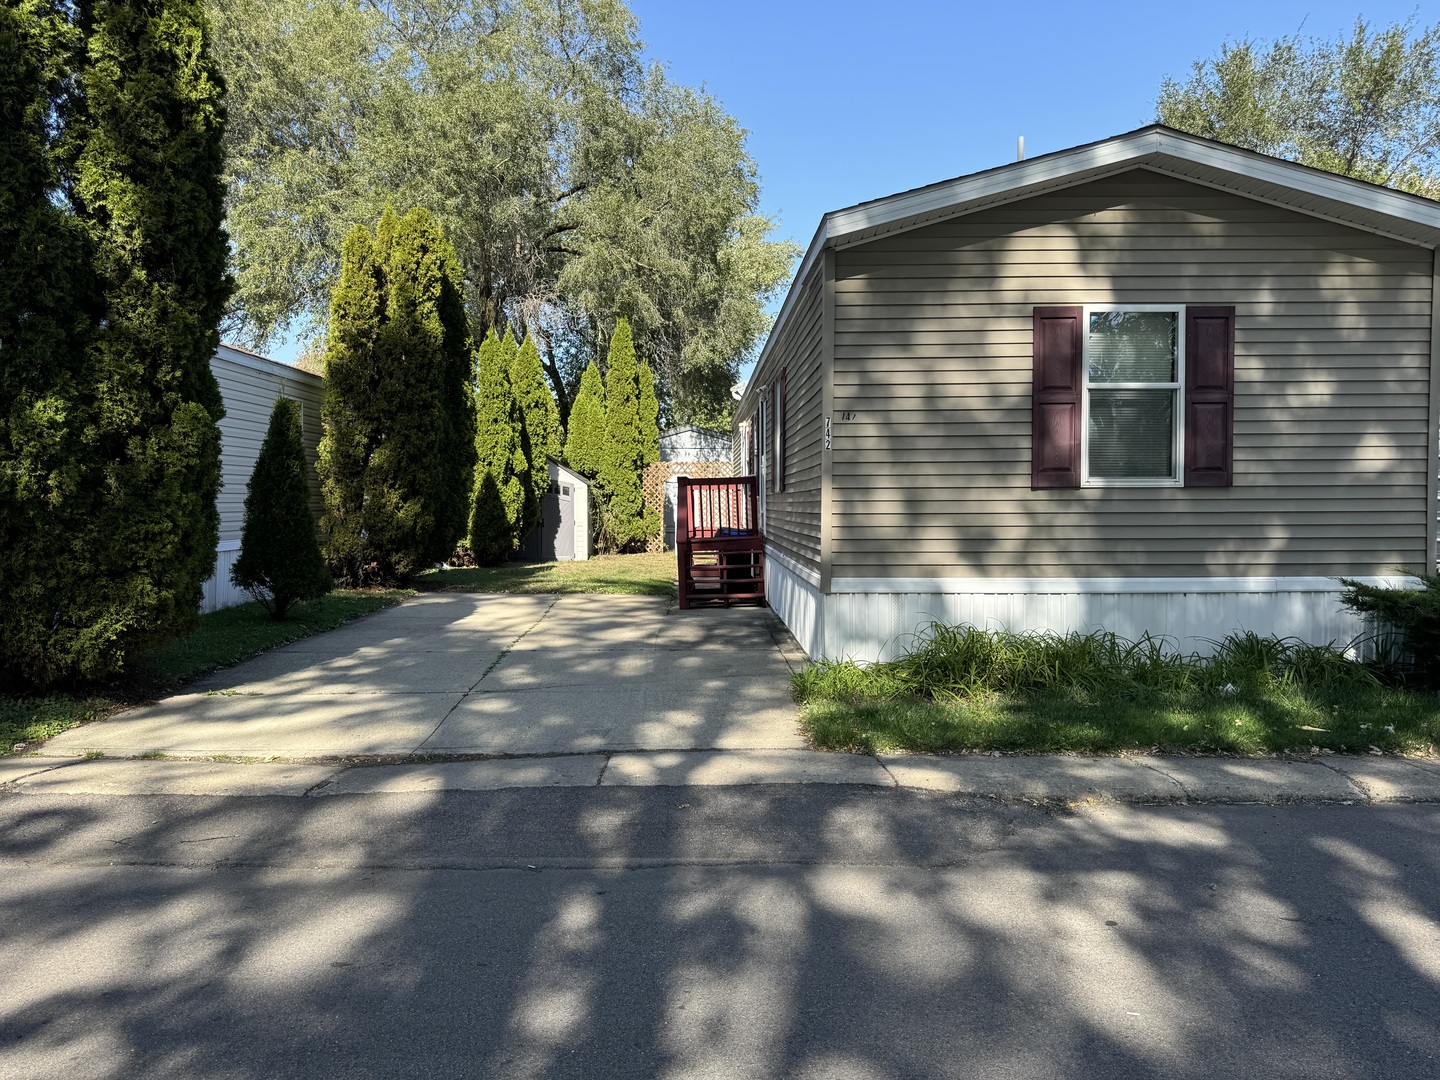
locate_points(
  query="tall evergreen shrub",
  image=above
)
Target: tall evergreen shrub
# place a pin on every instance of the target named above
(585, 434)
(539, 408)
(280, 563)
(649, 417)
(110, 458)
(500, 501)
(398, 452)
(531, 482)
(626, 523)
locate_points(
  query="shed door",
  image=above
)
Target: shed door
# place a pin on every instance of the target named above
(565, 522)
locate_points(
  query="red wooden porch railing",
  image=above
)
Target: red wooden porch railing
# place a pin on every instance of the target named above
(718, 545)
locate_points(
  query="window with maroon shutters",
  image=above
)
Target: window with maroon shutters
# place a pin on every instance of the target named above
(1132, 396)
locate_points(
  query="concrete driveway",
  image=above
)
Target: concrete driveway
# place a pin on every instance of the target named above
(455, 674)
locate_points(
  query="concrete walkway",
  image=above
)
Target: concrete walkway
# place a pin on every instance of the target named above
(1140, 779)
(468, 674)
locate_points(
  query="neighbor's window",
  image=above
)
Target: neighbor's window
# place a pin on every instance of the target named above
(1132, 395)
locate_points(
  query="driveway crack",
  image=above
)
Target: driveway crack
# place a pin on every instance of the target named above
(496, 663)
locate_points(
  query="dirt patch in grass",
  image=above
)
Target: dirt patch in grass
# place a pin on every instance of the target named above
(222, 638)
(644, 575)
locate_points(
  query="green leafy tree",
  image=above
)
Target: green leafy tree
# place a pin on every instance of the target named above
(1365, 105)
(113, 452)
(571, 179)
(280, 563)
(585, 434)
(626, 523)
(502, 489)
(537, 405)
(397, 455)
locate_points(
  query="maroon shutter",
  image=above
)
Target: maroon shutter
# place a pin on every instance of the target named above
(782, 407)
(1209, 396)
(1055, 401)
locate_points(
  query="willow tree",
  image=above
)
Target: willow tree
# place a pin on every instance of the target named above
(1366, 104)
(574, 182)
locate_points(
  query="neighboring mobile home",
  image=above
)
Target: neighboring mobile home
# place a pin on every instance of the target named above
(249, 385)
(1155, 383)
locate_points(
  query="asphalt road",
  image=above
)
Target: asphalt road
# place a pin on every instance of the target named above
(797, 931)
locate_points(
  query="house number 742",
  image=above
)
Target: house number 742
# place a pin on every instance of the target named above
(827, 433)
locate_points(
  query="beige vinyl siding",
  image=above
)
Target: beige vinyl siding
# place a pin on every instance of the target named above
(933, 356)
(249, 391)
(792, 516)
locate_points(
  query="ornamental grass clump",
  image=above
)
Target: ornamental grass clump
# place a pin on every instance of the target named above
(950, 663)
(961, 689)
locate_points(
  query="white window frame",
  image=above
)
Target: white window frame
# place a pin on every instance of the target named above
(1177, 386)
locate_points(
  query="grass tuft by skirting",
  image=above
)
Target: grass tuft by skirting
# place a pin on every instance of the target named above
(645, 574)
(961, 689)
(222, 638)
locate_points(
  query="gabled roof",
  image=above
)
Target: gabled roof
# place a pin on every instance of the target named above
(1356, 203)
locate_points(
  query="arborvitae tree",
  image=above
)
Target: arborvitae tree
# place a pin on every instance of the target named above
(585, 433)
(119, 448)
(625, 523)
(397, 455)
(649, 417)
(280, 563)
(502, 471)
(534, 483)
(537, 404)
(48, 306)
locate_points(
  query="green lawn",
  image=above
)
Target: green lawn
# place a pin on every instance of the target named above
(222, 638)
(644, 575)
(965, 690)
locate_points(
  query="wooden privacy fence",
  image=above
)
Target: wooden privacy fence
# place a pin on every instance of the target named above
(718, 546)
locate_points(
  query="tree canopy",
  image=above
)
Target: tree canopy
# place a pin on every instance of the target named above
(576, 184)
(1366, 104)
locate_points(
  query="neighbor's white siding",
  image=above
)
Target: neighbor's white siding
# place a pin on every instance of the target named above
(249, 386)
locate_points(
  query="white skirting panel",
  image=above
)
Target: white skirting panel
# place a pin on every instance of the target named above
(792, 590)
(219, 593)
(872, 625)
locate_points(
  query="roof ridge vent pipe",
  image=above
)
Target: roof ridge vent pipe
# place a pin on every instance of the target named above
(1020, 148)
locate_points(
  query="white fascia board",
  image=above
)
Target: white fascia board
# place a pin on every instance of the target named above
(261, 363)
(1333, 188)
(953, 195)
(1096, 586)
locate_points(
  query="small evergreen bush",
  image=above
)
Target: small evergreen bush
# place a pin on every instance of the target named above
(280, 563)
(1413, 614)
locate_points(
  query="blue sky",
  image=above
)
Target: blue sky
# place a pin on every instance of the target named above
(848, 101)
